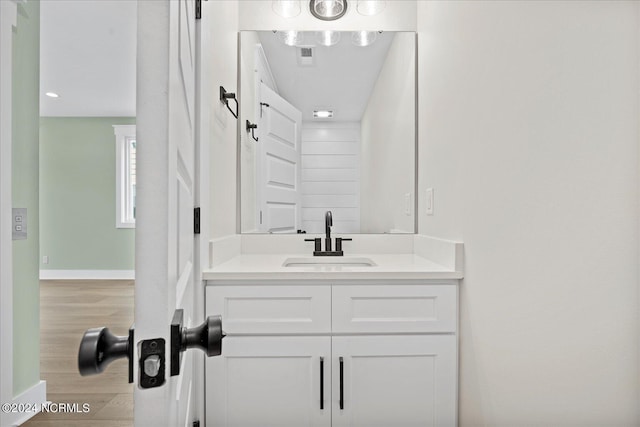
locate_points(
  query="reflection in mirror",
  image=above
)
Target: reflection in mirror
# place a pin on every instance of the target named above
(335, 115)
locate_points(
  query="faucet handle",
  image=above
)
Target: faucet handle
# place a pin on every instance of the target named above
(339, 241)
(317, 244)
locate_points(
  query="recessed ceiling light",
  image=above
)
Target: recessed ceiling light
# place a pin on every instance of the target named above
(363, 38)
(52, 95)
(370, 7)
(291, 38)
(328, 38)
(328, 10)
(286, 8)
(322, 114)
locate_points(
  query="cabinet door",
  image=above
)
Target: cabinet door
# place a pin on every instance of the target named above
(269, 382)
(398, 381)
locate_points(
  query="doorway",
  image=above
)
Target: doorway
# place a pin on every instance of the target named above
(86, 260)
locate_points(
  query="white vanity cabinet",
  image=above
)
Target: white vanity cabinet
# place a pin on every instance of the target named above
(334, 354)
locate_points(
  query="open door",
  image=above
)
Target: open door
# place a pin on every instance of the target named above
(278, 187)
(168, 276)
(169, 294)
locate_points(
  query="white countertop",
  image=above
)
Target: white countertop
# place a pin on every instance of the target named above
(271, 267)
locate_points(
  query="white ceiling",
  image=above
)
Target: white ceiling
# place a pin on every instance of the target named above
(88, 57)
(341, 80)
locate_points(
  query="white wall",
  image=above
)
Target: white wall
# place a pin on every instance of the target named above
(529, 136)
(224, 127)
(331, 176)
(388, 143)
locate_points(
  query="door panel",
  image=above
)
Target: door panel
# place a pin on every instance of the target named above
(269, 382)
(400, 381)
(278, 160)
(165, 244)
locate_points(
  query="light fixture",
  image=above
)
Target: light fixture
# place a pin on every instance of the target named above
(328, 38)
(286, 8)
(323, 114)
(52, 95)
(370, 7)
(328, 10)
(291, 38)
(363, 38)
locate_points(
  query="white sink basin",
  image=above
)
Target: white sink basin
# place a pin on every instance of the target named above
(329, 261)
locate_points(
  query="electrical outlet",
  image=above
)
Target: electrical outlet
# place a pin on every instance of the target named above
(429, 201)
(45, 259)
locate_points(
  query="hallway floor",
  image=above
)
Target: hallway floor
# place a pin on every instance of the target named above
(67, 309)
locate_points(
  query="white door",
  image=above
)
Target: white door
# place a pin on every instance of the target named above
(167, 267)
(278, 159)
(270, 382)
(400, 381)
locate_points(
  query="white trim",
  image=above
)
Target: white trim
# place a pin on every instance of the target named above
(203, 113)
(87, 274)
(8, 19)
(122, 133)
(36, 395)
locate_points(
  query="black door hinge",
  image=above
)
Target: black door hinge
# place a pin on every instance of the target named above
(196, 221)
(198, 9)
(196, 423)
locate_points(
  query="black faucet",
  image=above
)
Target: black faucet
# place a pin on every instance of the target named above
(328, 222)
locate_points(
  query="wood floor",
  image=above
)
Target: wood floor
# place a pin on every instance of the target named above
(67, 309)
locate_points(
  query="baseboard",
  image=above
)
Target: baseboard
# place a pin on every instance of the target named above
(36, 395)
(87, 274)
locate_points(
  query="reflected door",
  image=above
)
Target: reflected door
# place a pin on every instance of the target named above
(278, 164)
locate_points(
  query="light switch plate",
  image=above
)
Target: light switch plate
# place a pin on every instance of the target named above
(407, 204)
(19, 223)
(429, 201)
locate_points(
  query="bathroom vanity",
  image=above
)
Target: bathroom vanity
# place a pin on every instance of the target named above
(362, 332)
(367, 340)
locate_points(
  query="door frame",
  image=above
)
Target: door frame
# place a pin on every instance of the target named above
(203, 111)
(36, 394)
(8, 20)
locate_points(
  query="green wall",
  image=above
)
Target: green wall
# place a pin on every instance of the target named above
(26, 287)
(77, 195)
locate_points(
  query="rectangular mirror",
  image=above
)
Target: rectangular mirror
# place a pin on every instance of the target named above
(327, 123)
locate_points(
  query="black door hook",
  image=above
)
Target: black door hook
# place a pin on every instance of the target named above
(251, 127)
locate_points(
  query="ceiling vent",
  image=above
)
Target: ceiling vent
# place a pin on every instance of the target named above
(306, 56)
